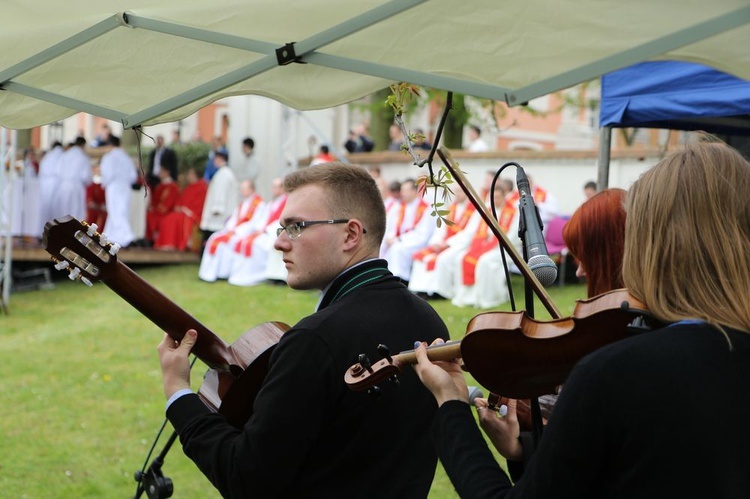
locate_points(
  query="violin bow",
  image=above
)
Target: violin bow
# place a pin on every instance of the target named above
(458, 175)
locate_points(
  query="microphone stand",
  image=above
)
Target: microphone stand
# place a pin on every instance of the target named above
(528, 291)
(537, 424)
(152, 481)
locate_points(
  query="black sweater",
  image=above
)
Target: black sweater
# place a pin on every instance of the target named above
(664, 414)
(310, 436)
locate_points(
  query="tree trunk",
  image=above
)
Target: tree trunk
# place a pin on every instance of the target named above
(23, 140)
(454, 124)
(129, 140)
(129, 144)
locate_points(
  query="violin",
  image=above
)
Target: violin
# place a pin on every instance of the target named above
(517, 356)
(510, 353)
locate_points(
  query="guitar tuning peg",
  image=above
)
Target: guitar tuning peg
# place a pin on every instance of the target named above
(394, 379)
(62, 265)
(87, 282)
(385, 352)
(92, 230)
(103, 239)
(74, 274)
(374, 392)
(114, 249)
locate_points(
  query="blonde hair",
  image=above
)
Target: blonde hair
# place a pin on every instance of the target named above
(687, 237)
(352, 191)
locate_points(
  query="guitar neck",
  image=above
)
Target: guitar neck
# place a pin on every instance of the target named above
(171, 318)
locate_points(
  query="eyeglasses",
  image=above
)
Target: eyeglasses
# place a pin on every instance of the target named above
(293, 230)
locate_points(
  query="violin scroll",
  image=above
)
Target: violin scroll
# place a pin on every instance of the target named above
(366, 376)
(363, 375)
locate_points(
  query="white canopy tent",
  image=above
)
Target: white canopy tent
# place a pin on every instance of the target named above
(154, 61)
(151, 61)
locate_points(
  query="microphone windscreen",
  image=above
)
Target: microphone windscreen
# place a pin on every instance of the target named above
(544, 269)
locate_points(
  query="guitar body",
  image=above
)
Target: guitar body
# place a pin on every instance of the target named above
(233, 397)
(236, 371)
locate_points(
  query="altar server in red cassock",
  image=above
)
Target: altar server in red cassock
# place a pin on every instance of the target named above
(164, 199)
(177, 228)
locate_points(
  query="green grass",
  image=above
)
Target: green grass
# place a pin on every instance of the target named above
(81, 386)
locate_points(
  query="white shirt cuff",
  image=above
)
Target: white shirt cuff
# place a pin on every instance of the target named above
(178, 394)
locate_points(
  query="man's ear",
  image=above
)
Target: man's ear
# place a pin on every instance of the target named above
(354, 233)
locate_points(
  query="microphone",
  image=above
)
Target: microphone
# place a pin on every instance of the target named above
(542, 266)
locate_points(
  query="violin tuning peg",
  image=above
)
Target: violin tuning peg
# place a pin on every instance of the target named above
(374, 392)
(364, 361)
(385, 352)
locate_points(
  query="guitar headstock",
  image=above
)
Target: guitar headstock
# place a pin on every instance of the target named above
(79, 248)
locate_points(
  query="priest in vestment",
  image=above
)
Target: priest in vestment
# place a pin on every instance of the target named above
(176, 228)
(49, 179)
(251, 253)
(118, 173)
(479, 271)
(216, 262)
(75, 175)
(429, 272)
(222, 198)
(407, 231)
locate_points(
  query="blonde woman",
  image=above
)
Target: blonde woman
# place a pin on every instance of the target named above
(661, 414)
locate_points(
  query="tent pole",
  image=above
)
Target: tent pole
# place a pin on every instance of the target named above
(605, 145)
(7, 151)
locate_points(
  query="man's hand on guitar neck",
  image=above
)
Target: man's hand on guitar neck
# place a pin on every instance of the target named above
(175, 365)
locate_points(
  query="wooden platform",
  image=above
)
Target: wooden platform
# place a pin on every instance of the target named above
(128, 256)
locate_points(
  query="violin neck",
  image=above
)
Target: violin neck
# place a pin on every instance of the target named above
(446, 351)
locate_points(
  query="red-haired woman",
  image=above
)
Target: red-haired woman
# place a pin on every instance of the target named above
(595, 236)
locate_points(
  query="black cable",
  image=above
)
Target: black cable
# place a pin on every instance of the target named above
(502, 249)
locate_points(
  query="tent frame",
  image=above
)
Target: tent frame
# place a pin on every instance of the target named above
(307, 51)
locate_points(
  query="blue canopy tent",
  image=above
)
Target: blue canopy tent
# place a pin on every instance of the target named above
(673, 95)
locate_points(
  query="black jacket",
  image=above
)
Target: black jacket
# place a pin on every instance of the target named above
(168, 161)
(663, 414)
(310, 435)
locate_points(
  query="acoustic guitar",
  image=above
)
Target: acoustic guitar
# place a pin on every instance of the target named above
(236, 372)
